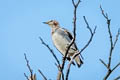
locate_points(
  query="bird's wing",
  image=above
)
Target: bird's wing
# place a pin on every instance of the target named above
(68, 33)
(70, 36)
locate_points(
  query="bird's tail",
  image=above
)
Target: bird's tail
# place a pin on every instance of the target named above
(78, 61)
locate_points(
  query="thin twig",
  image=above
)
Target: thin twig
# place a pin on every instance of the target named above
(87, 25)
(91, 37)
(105, 16)
(116, 66)
(110, 35)
(42, 74)
(103, 63)
(50, 50)
(69, 65)
(111, 41)
(31, 71)
(58, 78)
(26, 76)
(112, 46)
(68, 69)
(117, 36)
(117, 78)
(87, 44)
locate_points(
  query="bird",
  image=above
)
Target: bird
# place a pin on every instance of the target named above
(61, 38)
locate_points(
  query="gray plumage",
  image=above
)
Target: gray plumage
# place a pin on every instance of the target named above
(61, 39)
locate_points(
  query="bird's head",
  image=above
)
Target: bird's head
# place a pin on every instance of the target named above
(52, 23)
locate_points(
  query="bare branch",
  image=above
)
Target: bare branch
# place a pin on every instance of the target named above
(117, 36)
(108, 74)
(68, 69)
(50, 50)
(92, 34)
(110, 35)
(105, 16)
(58, 78)
(110, 71)
(103, 63)
(26, 76)
(75, 5)
(31, 71)
(42, 74)
(111, 49)
(73, 57)
(69, 65)
(112, 46)
(116, 66)
(117, 78)
(87, 25)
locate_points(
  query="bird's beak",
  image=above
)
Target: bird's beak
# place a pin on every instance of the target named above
(45, 22)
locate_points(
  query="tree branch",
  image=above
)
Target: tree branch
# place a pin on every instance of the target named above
(26, 76)
(117, 78)
(92, 34)
(103, 63)
(42, 74)
(112, 46)
(116, 66)
(59, 66)
(50, 50)
(31, 71)
(117, 36)
(73, 57)
(69, 65)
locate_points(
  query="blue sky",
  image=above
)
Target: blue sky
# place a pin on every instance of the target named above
(21, 25)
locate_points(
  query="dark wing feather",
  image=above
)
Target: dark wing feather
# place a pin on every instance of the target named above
(68, 33)
(70, 36)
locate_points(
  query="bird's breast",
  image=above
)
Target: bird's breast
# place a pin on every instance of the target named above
(60, 41)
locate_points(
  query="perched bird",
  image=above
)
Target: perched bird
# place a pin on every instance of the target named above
(61, 39)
